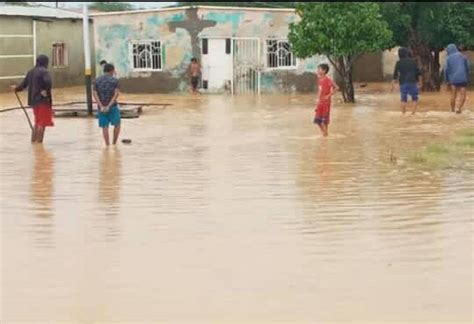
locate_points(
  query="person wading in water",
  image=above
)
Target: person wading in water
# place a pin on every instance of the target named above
(39, 84)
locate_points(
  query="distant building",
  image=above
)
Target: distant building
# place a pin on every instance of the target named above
(27, 31)
(244, 49)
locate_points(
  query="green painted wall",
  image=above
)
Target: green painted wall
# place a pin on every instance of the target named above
(48, 31)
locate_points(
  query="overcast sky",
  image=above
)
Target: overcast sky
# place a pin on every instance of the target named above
(137, 4)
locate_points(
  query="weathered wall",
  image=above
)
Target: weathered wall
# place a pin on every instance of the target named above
(180, 31)
(14, 46)
(48, 31)
(368, 68)
(265, 24)
(70, 33)
(112, 36)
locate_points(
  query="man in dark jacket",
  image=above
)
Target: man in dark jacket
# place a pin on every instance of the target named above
(408, 75)
(38, 82)
(456, 73)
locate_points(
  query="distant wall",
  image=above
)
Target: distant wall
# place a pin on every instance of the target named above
(14, 46)
(48, 31)
(368, 68)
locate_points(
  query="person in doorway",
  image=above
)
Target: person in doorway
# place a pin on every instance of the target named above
(408, 75)
(106, 92)
(456, 73)
(326, 89)
(195, 73)
(39, 84)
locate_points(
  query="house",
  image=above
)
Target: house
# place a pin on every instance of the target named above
(27, 31)
(243, 50)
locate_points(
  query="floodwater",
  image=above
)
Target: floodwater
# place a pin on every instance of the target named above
(237, 210)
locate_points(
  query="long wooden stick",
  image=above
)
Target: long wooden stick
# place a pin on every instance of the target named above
(24, 110)
(82, 102)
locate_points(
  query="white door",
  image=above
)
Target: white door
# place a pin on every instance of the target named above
(216, 64)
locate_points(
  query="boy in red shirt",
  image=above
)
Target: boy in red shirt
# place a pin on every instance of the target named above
(326, 89)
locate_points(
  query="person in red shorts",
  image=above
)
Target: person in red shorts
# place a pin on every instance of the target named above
(326, 89)
(38, 81)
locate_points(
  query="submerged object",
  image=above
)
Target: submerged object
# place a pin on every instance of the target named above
(127, 141)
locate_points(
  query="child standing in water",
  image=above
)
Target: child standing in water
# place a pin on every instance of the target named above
(106, 92)
(195, 72)
(408, 75)
(326, 89)
(38, 81)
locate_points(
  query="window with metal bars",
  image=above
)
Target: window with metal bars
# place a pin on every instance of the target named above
(59, 57)
(279, 54)
(146, 55)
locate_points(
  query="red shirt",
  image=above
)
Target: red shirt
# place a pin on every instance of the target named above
(325, 86)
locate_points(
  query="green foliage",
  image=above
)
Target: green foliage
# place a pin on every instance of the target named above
(338, 29)
(444, 155)
(111, 6)
(433, 23)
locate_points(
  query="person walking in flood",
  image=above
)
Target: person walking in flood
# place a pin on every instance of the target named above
(39, 84)
(456, 73)
(408, 75)
(326, 89)
(106, 92)
(195, 73)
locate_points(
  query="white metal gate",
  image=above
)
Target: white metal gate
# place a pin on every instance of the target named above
(246, 65)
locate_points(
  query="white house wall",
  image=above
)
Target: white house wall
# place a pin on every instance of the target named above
(180, 32)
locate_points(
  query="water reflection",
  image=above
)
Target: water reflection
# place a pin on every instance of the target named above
(109, 177)
(42, 188)
(42, 184)
(110, 173)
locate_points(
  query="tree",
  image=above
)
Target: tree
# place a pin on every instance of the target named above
(342, 32)
(111, 6)
(426, 28)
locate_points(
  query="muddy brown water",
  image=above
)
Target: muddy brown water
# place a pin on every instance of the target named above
(236, 210)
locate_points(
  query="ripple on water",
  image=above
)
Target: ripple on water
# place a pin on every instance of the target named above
(222, 201)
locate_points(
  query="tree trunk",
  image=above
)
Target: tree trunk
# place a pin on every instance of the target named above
(436, 68)
(428, 61)
(347, 87)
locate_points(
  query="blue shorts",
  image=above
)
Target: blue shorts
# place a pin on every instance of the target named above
(460, 84)
(110, 117)
(408, 89)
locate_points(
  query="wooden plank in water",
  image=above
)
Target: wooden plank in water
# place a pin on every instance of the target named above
(79, 110)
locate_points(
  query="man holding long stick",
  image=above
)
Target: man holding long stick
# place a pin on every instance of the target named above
(38, 81)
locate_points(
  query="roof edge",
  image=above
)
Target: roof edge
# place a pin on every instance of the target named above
(112, 13)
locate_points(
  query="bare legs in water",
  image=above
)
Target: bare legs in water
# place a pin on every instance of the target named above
(457, 94)
(105, 132)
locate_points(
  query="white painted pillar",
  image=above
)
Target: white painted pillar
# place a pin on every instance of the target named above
(87, 57)
(34, 43)
(87, 49)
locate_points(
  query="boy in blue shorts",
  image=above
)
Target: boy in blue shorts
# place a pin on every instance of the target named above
(408, 75)
(106, 92)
